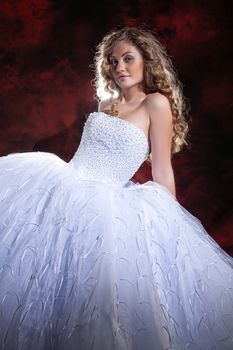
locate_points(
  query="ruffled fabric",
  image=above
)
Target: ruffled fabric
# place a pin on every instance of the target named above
(105, 266)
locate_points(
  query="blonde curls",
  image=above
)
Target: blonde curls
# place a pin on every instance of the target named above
(159, 75)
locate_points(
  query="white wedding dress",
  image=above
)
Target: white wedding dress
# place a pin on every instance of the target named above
(90, 260)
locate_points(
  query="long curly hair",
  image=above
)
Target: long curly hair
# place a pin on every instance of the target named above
(159, 75)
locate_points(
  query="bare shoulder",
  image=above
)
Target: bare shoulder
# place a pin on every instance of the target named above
(158, 106)
(104, 105)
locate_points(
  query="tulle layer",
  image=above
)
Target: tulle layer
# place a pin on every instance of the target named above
(94, 266)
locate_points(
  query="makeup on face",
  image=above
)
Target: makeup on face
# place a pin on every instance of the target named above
(126, 64)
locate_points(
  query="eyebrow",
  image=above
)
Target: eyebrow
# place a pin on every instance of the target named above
(125, 53)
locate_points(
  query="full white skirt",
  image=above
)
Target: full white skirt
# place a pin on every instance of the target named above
(86, 265)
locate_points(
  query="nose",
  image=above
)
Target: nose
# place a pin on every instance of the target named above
(120, 67)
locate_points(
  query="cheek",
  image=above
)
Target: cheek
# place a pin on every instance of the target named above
(140, 69)
(112, 76)
(112, 72)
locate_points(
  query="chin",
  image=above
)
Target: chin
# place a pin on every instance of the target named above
(125, 85)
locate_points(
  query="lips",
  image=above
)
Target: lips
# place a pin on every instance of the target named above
(122, 76)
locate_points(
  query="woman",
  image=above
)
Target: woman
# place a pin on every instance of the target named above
(132, 64)
(90, 260)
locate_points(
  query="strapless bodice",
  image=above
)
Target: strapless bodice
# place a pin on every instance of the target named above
(111, 149)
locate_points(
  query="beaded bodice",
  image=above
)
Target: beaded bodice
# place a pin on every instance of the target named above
(111, 149)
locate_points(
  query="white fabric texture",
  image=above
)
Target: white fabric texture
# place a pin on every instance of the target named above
(91, 261)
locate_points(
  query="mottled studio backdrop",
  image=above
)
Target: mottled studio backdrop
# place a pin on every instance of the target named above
(46, 48)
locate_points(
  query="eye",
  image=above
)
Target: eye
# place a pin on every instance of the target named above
(112, 61)
(128, 58)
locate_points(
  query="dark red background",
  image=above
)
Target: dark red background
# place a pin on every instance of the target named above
(46, 48)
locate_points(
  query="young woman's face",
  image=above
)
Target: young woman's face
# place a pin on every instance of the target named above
(127, 65)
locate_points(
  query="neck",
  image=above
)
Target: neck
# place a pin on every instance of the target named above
(132, 94)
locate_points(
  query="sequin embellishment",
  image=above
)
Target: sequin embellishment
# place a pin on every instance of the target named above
(111, 149)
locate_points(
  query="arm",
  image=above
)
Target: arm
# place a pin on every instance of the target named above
(100, 106)
(103, 105)
(160, 133)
